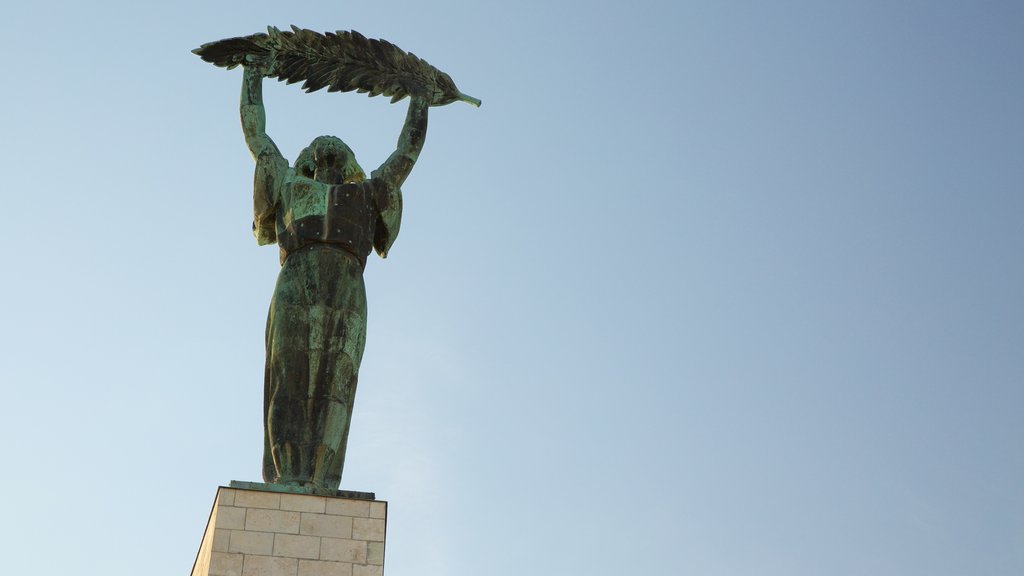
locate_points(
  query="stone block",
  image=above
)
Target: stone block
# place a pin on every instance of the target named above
(225, 497)
(367, 570)
(343, 550)
(269, 566)
(244, 542)
(321, 568)
(375, 553)
(254, 499)
(326, 525)
(378, 509)
(282, 521)
(344, 507)
(222, 564)
(221, 536)
(303, 503)
(371, 529)
(229, 518)
(294, 546)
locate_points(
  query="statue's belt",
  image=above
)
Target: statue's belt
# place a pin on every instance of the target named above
(343, 233)
(332, 246)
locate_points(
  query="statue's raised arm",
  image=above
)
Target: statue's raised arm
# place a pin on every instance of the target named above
(254, 116)
(397, 167)
(271, 166)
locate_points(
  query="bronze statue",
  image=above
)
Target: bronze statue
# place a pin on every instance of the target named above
(326, 216)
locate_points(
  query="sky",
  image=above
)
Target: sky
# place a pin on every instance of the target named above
(703, 288)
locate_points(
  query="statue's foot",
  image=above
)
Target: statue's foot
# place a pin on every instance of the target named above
(292, 484)
(318, 489)
(321, 482)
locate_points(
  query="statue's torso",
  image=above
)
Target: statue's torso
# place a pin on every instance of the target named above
(313, 212)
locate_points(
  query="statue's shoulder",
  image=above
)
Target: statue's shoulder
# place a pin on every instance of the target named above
(292, 177)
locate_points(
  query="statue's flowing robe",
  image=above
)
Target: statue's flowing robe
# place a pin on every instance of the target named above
(316, 327)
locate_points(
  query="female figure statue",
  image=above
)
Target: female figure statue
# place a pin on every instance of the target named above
(326, 216)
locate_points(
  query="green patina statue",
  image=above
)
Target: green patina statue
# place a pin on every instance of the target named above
(326, 216)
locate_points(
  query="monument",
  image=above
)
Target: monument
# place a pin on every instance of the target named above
(326, 216)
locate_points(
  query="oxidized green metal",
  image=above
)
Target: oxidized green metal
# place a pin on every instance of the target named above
(325, 216)
(339, 61)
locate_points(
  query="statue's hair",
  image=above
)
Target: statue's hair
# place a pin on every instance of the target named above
(304, 164)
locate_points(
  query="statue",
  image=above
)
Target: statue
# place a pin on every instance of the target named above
(326, 216)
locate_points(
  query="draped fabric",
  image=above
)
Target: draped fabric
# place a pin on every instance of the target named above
(316, 326)
(316, 331)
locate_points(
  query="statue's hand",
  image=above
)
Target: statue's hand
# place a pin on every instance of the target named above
(264, 64)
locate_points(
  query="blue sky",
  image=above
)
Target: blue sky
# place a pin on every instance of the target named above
(704, 288)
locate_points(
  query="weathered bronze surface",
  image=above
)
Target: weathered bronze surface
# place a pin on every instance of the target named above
(339, 61)
(326, 217)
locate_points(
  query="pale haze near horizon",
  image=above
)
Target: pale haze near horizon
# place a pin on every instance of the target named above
(703, 288)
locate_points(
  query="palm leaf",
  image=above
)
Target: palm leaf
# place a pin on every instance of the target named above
(338, 61)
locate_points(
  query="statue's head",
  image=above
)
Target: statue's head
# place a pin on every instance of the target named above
(327, 159)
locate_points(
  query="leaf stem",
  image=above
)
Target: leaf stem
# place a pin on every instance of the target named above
(467, 98)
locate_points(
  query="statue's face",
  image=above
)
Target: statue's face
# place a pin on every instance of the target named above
(330, 156)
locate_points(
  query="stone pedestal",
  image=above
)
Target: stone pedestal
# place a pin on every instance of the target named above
(255, 532)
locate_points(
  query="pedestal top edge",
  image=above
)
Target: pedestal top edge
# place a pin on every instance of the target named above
(264, 487)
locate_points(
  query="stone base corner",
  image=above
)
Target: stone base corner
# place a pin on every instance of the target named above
(268, 533)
